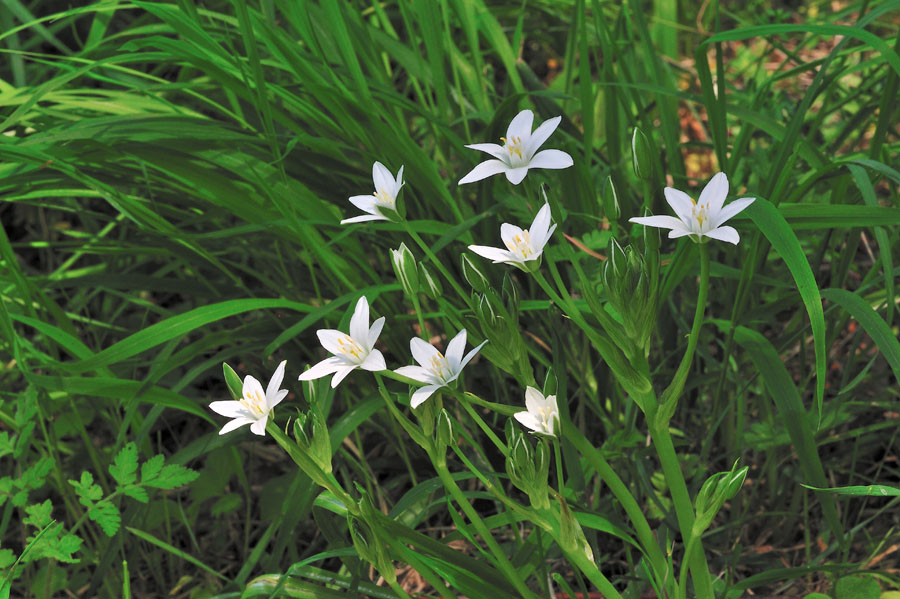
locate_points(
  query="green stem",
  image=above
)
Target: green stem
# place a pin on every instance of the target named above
(684, 509)
(560, 481)
(509, 571)
(324, 479)
(423, 333)
(673, 391)
(589, 568)
(480, 422)
(434, 260)
(623, 495)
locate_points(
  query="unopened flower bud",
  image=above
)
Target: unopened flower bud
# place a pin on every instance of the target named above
(474, 277)
(640, 155)
(430, 285)
(406, 270)
(610, 198)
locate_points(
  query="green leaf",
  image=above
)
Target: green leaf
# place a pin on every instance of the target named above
(857, 587)
(171, 476)
(6, 445)
(137, 493)
(791, 411)
(39, 514)
(151, 468)
(233, 381)
(125, 467)
(860, 490)
(88, 492)
(107, 516)
(779, 233)
(874, 325)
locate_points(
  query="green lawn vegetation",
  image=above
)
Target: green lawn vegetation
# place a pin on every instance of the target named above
(712, 412)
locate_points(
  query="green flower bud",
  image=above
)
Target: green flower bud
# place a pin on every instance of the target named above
(430, 285)
(510, 294)
(610, 199)
(474, 277)
(235, 386)
(443, 431)
(406, 270)
(716, 490)
(311, 434)
(640, 155)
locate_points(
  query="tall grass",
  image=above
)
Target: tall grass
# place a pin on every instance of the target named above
(172, 178)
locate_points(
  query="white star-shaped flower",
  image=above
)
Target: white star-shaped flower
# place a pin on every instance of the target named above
(517, 154)
(521, 245)
(384, 197)
(542, 415)
(254, 406)
(435, 369)
(356, 350)
(702, 218)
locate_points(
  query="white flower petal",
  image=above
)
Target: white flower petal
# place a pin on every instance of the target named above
(680, 203)
(362, 219)
(714, 193)
(483, 171)
(540, 135)
(422, 351)
(534, 399)
(359, 322)
(365, 203)
(417, 373)
(731, 210)
(382, 177)
(398, 182)
(323, 368)
(375, 331)
(676, 233)
(259, 427)
(661, 221)
(275, 384)
(374, 362)
(455, 351)
(252, 387)
(538, 244)
(725, 233)
(331, 339)
(421, 394)
(553, 159)
(540, 226)
(493, 149)
(340, 375)
(234, 424)
(509, 232)
(520, 126)
(529, 420)
(229, 409)
(470, 355)
(515, 175)
(495, 254)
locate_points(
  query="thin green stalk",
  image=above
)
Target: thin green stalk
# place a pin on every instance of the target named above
(503, 563)
(673, 391)
(684, 510)
(593, 573)
(480, 421)
(623, 495)
(437, 263)
(560, 481)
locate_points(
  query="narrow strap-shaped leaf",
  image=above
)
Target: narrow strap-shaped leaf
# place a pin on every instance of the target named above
(779, 233)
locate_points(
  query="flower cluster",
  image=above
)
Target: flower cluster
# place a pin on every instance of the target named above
(524, 247)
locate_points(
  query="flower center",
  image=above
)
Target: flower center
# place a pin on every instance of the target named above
(385, 199)
(514, 146)
(440, 366)
(699, 213)
(546, 416)
(350, 348)
(254, 401)
(520, 245)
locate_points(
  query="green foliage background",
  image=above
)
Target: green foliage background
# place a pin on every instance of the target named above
(172, 176)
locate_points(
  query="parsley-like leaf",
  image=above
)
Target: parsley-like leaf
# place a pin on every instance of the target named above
(125, 467)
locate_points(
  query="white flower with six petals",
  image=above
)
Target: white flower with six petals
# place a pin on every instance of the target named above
(702, 218)
(435, 369)
(522, 245)
(356, 350)
(254, 406)
(542, 415)
(519, 151)
(384, 197)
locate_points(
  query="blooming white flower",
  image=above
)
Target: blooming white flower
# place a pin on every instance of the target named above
(385, 196)
(702, 218)
(254, 406)
(522, 246)
(436, 369)
(356, 350)
(543, 414)
(517, 154)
